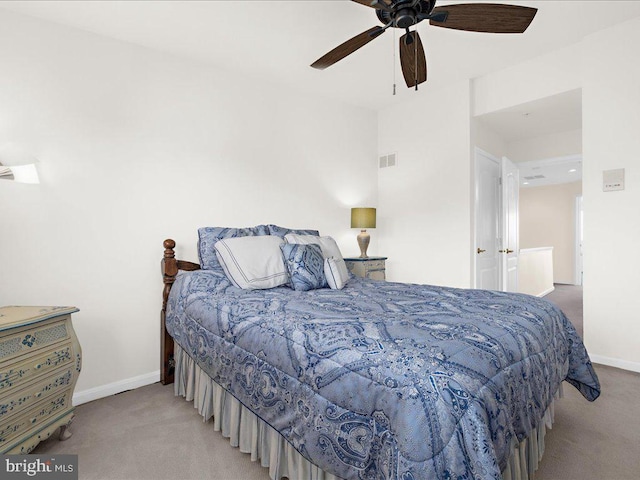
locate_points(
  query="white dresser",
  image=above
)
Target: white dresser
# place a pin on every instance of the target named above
(40, 360)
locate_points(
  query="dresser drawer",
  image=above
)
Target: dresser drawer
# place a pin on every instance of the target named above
(45, 410)
(23, 399)
(24, 340)
(375, 265)
(376, 274)
(13, 374)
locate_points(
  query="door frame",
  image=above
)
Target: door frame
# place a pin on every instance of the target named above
(578, 262)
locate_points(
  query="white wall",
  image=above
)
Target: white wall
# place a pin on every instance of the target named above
(554, 145)
(487, 140)
(544, 76)
(424, 211)
(547, 219)
(137, 146)
(611, 125)
(535, 271)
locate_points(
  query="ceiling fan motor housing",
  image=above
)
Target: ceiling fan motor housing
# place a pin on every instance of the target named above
(404, 13)
(405, 18)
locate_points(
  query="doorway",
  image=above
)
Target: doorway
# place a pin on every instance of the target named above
(542, 137)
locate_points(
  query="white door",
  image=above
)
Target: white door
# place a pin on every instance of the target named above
(510, 242)
(487, 211)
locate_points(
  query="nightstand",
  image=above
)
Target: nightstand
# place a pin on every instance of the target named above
(370, 267)
(40, 361)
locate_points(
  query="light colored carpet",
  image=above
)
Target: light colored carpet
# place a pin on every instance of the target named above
(148, 433)
(569, 299)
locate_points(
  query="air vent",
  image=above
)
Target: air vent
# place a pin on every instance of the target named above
(387, 161)
(534, 177)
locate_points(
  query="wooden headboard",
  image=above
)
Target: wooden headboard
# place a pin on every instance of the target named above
(170, 267)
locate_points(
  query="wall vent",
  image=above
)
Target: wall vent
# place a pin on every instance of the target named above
(388, 161)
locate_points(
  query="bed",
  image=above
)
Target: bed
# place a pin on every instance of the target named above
(377, 380)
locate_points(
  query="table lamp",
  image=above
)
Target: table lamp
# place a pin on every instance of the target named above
(363, 218)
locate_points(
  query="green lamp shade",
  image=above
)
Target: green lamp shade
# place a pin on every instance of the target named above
(363, 218)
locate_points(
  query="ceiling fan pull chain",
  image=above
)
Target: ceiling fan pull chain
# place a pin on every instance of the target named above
(394, 61)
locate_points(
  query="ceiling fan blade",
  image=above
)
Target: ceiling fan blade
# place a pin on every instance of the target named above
(412, 59)
(347, 48)
(484, 17)
(369, 3)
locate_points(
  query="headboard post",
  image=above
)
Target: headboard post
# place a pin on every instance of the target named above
(169, 266)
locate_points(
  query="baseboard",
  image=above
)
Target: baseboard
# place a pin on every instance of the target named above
(546, 292)
(117, 387)
(615, 362)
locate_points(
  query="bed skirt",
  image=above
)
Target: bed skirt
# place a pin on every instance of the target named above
(253, 436)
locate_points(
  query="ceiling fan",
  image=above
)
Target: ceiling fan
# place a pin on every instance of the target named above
(473, 17)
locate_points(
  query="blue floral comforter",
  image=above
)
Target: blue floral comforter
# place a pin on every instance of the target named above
(385, 380)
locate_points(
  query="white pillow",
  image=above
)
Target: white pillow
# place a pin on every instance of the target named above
(253, 263)
(328, 246)
(334, 274)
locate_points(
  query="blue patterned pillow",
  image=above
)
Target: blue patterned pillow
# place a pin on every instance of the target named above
(282, 231)
(208, 236)
(306, 266)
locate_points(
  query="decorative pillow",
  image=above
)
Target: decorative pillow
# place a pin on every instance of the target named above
(282, 231)
(208, 236)
(327, 244)
(334, 273)
(252, 262)
(306, 266)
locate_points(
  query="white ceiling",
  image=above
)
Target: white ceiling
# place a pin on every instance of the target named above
(558, 113)
(550, 171)
(276, 41)
(546, 116)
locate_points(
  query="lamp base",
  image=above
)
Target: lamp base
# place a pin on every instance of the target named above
(363, 243)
